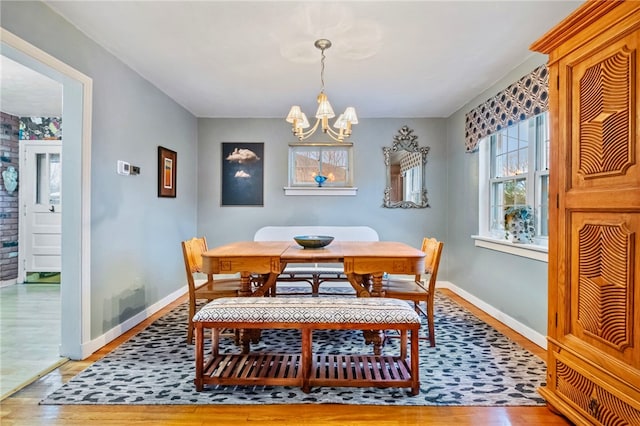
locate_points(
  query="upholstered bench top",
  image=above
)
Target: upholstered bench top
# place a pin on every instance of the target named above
(308, 310)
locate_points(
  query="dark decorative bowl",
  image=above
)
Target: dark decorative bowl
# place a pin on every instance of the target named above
(313, 241)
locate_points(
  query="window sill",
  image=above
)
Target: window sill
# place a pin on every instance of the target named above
(531, 251)
(324, 190)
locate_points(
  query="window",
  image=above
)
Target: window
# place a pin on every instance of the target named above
(514, 172)
(48, 173)
(307, 161)
(412, 181)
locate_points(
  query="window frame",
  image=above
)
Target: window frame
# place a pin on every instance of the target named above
(321, 148)
(493, 238)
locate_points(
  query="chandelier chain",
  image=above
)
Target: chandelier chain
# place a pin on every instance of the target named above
(322, 70)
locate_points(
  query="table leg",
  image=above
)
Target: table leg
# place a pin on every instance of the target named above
(375, 338)
(360, 283)
(245, 284)
(377, 291)
(268, 283)
(248, 336)
(356, 282)
(269, 280)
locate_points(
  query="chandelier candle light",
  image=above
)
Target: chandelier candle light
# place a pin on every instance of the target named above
(299, 121)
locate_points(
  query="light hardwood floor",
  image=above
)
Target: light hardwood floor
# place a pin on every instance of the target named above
(23, 408)
(28, 310)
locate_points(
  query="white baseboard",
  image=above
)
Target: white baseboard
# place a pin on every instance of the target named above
(527, 332)
(95, 344)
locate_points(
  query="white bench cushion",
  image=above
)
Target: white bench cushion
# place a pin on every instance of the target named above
(339, 233)
(305, 310)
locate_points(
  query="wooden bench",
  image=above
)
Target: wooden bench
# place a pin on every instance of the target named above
(306, 369)
(315, 274)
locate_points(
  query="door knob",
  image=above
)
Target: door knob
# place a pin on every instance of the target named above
(52, 209)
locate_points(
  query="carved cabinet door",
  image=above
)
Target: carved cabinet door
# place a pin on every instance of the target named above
(601, 199)
(597, 195)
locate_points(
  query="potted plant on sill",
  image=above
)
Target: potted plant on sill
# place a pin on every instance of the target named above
(518, 224)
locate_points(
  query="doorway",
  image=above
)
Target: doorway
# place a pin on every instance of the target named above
(30, 314)
(75, 335)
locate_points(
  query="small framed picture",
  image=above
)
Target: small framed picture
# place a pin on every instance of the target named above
(167, 171)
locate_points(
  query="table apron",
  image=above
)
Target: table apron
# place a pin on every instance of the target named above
(230, 265)
(375, 265)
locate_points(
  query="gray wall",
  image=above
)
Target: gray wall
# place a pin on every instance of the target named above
(514, 285)
(136, 257)
(225, 224)
(135, 236)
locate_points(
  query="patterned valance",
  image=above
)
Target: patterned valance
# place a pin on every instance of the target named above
(410, 160)
(525, 98)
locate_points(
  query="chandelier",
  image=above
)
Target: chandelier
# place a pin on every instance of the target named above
(299, 121)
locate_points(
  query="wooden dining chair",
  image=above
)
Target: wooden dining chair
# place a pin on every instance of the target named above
(421, 287)
(208, 288)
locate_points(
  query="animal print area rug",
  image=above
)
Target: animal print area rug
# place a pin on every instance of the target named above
(472, 364)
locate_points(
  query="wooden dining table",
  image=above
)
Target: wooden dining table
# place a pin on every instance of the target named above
(364, 262)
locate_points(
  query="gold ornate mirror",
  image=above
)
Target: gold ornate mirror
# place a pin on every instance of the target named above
(405, 162)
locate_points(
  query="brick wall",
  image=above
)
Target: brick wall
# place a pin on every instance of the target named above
(9, 131)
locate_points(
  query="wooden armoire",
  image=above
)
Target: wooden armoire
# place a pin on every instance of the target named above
(593, 364)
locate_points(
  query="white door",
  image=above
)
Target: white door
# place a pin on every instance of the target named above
(41, 202)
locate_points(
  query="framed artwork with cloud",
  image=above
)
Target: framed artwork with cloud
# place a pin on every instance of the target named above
(242, 174)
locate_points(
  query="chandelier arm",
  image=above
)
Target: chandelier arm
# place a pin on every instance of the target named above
(332, 132)
(334, 135)
(303, 135)
(334, 138)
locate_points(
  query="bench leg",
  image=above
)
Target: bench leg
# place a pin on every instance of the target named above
(415, 361)
(306, 359)
(245, 340)
(199, 357)
(215, 341)
(403, 344)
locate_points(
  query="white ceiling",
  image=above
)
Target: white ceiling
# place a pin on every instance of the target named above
(28, 93)
(256, 59)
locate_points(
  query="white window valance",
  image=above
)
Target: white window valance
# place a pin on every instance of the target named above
(525, 98)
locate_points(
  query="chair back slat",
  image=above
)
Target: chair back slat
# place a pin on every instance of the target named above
(192, 253)
(192, 250)
(432, 250)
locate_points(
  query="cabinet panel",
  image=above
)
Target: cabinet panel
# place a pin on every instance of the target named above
(604, 267)
(603, 95)
(600, 399)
